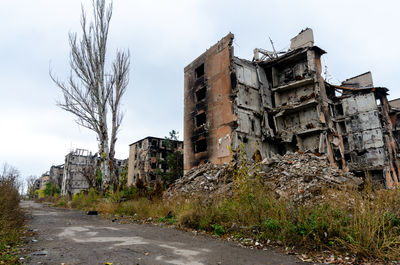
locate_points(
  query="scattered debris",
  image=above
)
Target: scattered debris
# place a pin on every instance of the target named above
(296, 176)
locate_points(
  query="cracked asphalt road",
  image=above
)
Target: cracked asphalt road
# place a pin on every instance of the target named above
(72, 237)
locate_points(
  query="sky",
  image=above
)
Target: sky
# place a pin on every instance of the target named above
(163, 37)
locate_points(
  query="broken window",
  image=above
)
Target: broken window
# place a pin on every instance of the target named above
(199, 71)
(200, 146)
(200, 119)
(201, 94)
(339, 110)
(341, 127)
(346, 143)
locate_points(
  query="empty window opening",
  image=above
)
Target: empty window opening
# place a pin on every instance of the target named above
(339, 110)
(341, 127)
(154, 142)
(201, 119)
(153, 165)
(252, 125)
(201, 94)
(199, 72)
(346, 143)
(201, 146)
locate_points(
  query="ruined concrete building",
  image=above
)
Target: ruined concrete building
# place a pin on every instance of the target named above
(280, 102)
(40, 183)
(77, 163)
(56, 174)
(145, 158)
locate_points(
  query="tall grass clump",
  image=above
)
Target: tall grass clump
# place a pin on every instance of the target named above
(365, 223)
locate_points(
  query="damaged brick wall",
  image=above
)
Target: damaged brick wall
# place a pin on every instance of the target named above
(276, 104)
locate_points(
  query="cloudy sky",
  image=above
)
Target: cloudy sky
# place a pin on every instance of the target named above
(163, 37)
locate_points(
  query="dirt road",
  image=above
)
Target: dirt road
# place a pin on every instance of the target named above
(71, 237)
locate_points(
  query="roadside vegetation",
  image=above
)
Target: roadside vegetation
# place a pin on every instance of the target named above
(11, 216)
(364, 223)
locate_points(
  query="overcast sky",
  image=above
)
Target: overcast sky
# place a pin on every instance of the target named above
(163, 37)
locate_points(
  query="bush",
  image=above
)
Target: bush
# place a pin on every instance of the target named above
(51, 189)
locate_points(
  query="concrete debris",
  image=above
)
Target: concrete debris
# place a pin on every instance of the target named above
(297, 176)
(207, 180)
(302, 176)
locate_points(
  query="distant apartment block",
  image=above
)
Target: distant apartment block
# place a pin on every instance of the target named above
(74, 180)
(145, 158)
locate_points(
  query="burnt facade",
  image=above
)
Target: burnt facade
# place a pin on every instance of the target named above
(279, 103)
(146, 156)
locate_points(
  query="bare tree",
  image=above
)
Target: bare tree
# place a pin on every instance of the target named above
(90, 92)
(30, 181)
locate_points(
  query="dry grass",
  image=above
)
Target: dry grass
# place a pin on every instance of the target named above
(11, 216)
(365, 223)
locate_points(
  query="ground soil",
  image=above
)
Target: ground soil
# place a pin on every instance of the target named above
(64, 236)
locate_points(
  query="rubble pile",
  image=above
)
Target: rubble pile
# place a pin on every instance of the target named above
(296, 176)
(206, 180)
(302, 176)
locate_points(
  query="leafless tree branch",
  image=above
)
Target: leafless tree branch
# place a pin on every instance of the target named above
(90, 92)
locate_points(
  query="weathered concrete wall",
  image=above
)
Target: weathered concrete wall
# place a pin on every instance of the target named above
(363, 132)
(56, 174)
(362, 80)
(304, 39)
(395, 103)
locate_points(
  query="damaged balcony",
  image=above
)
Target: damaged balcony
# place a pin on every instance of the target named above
(280, 102)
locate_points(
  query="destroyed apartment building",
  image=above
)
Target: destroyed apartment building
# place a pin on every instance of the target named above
(277, 103)
(78, 165)
(146, 156)
(56, 174)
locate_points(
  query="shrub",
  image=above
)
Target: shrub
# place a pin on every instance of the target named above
(51, 189)
(11, 215)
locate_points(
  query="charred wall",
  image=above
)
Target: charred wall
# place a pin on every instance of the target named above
(208, 110)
